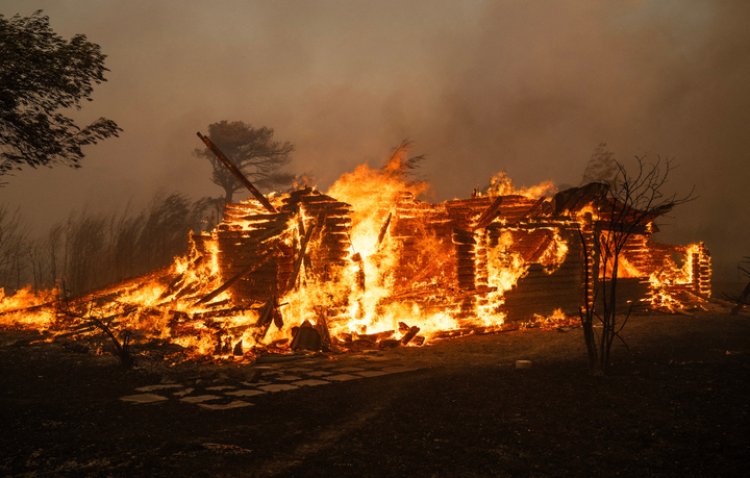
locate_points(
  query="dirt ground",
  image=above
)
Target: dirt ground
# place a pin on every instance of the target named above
(675, 404)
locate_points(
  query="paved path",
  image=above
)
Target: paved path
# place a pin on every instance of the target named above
(227, 393)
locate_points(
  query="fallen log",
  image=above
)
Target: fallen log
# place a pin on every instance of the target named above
(211, 314)
(389, 344)
(376, 337)
(412, 332)
(28, 309)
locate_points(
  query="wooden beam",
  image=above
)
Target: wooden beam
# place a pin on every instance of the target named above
(489, 214)
(384, 229)
(302, 250)
(237, 173)
(226, 285)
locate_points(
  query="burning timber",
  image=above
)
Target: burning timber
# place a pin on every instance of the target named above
(369, 265)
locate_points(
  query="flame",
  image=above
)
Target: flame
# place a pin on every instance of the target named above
(26, 308)
(502, 185)
(556, 319)
(398, 282)
(671, 282)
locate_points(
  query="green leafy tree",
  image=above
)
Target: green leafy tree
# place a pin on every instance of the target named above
(254, 151)
(41, 76)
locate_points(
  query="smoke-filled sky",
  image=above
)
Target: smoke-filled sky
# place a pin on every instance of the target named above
(478, 86)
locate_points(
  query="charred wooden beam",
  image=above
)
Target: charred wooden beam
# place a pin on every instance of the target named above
(534, 210)
(302, 249)
(409, 335)
(574, 199)
(244, 272)
(29, 309)
(384, 229)
(269, 313)
(489, 214)
(323, 330)
(237, 173)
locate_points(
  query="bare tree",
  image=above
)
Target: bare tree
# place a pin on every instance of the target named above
(253, 150)
(627, 205)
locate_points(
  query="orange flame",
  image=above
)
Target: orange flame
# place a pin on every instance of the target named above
(394, 286)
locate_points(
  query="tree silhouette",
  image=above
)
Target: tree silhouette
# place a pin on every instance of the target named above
(253, 150)
(626, 204)
(42, 75)
(601, 167)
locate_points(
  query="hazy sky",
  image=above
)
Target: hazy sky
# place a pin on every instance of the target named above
(478, 86)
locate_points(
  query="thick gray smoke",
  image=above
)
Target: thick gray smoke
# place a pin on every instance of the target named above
(529, 87)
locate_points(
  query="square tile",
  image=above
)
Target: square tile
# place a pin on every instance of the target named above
(319, 373)
(287, 378)
(278, 387)
(245, 392)
(344, 377)
(348, 369)
(372, 373)
(400, 369)
(219, 388)
(143, 398)
(182, 393)
(226, 406)
(310, 382)
(199, 398)
(161, 386)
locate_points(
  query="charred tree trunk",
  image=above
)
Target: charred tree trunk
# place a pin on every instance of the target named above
(590, 288)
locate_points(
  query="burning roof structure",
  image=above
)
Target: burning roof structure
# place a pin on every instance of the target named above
(369, 264)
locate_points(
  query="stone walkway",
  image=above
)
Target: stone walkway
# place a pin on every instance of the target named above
(272, 378)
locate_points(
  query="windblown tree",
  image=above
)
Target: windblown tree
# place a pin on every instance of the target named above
(628, 204)
(41, 76)
(89, 250)
(254, 151)
(400, 162)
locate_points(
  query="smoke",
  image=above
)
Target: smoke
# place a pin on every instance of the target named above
(528, 87)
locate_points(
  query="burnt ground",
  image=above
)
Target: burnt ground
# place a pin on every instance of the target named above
(675, 404)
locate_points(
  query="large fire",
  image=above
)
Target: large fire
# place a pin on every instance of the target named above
(365, 265)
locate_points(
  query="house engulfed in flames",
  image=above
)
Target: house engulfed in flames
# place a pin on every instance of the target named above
(370, 265)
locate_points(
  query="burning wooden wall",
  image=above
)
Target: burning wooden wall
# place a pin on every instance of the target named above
(509, 258)
(368, 263)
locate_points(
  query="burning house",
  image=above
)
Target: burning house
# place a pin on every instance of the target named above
(369, 264)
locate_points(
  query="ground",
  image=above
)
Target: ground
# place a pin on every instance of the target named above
(675, 404)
